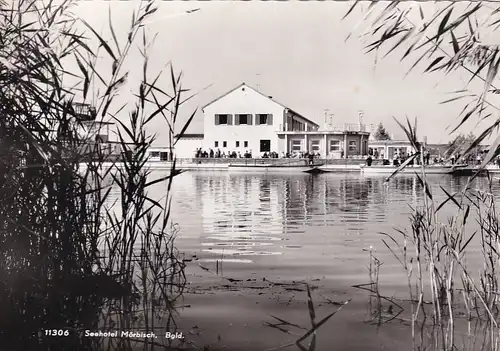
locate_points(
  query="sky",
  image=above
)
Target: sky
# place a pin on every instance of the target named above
(296, 52)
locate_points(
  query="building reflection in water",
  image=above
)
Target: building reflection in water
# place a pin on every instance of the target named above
(317, 223)
(241, 215)
(248, 215)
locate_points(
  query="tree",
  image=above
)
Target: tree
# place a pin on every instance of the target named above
(444, 38)
(460, 144)
(381, 133)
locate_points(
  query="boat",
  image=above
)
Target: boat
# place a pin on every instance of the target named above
(314, 170)
(339, 168)
(272, 167)
(470, 171)
(432, 169)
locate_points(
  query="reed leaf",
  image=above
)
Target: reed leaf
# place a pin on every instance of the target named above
(102, 42)
(425, 186)
(448, 198)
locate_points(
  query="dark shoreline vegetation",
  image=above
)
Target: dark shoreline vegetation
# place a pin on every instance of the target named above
(451, 306)
(72, 262)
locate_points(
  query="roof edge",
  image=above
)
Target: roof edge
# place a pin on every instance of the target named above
(266, 96)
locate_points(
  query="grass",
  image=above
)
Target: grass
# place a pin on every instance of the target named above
(448, 301)
(433, 253)
(71, 260)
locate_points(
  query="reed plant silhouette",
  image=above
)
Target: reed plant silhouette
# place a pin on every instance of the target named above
(71, 260)
(444, 291)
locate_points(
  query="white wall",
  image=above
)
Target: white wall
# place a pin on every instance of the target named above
(186, 147)
(244, 100)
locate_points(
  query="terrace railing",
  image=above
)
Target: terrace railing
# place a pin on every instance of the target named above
(340, 127)
(270, 161)
(346, 127)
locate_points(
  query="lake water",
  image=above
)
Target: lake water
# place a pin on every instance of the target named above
(299, 226)
(269, 228)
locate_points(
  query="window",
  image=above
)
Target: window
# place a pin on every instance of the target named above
(237, 144)
(243, 119)
(296, 145)
(216, 144)
(223, 119)
(264, 119)
(101, 138)
(352, 145)
(315, 145)
(334, 145)
(245, 144)
(163, 156)
(224, 144)
(154, 154)
(265, 146)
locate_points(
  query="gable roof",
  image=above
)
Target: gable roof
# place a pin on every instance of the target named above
(266, 96)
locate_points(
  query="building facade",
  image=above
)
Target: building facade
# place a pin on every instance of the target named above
(343, 141)
(92, 133)
(187, 145)
(386, 149)
(244, 120)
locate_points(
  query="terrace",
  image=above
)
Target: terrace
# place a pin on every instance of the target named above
(336, 128)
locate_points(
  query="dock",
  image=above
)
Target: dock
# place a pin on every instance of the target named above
(286, 165)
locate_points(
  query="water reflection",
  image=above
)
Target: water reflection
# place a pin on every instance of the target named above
(316, 223)
(252, 215)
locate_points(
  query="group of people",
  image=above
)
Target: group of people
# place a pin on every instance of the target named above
(210, 153)
(401, 157)
(221, 154)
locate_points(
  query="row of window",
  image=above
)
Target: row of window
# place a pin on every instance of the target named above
(265, 145)
(237, 144)
(163, 156)
(334, 145)
(244, 119)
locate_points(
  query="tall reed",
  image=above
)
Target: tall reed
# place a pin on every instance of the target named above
(436, 248)
(70, 260)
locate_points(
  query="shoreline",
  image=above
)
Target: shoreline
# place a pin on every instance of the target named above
(272, 166)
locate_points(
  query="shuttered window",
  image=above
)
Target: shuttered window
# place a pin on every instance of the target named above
(243, 119)
(222, 119)
(261, 119)
(264, 119)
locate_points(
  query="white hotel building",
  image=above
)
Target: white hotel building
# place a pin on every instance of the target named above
(245, 119)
